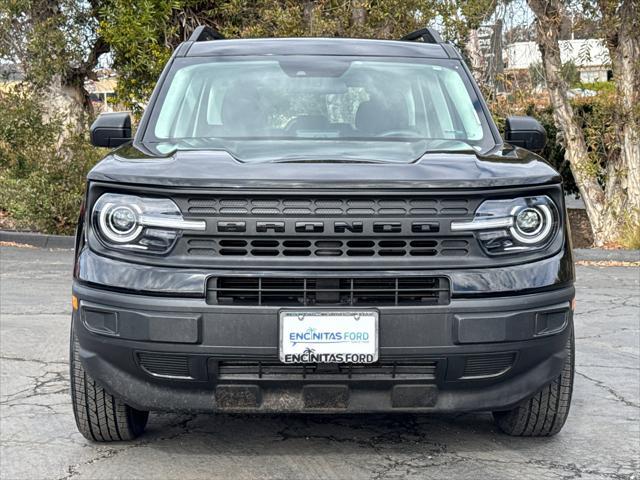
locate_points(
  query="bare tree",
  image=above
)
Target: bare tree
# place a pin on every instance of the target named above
(612, 196)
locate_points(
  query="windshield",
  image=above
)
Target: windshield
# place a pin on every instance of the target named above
(297, 108)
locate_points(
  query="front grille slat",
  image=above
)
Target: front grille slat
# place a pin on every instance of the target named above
(347, 227)
(309, 206)
(310, 291)
(325, 247)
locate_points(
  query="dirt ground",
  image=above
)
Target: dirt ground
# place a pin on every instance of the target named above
(581, 235)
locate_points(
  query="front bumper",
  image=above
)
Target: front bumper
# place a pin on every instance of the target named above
(182, 354)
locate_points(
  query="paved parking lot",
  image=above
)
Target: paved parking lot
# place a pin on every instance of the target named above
(38, 438)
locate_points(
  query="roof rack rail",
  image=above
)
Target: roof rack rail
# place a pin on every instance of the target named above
(204, 33)
(427, 35)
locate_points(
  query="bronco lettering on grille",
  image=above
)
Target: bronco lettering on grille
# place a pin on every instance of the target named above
(338, 227)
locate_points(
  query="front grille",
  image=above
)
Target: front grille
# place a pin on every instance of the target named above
(328, 247)
(165, 365)
(263, 206)
(351, 291)
(483, 366)
(248, 370)
(342, 228)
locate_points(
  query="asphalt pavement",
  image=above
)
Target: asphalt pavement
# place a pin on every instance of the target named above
(39, 440)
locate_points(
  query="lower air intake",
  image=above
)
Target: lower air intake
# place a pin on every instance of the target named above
(252, 370)
(486, 366)
(303, 291)
(165, 365)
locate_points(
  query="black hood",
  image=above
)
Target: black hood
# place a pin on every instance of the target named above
(504, 167)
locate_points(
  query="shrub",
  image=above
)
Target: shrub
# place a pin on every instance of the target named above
(596, 115)
(630, 236)
(42, 166)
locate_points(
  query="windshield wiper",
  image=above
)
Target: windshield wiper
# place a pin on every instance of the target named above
(327, 160)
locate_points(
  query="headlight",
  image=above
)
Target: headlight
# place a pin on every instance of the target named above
(507, 226)
(128, 222)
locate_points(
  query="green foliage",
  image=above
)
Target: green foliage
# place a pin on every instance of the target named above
(608, 87)
(50, 39)
(630, 237)
(569, 73)
(596, 117)
(554, 150)
(139, 34)
(42, 171)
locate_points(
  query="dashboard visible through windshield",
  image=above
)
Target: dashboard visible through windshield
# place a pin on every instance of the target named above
(317, 107)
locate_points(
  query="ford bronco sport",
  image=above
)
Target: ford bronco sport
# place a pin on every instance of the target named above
(322, 226)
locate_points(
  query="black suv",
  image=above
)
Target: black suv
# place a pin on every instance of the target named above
(323, 226)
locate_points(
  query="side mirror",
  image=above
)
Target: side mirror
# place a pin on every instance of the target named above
(111, 129)
(525, 132)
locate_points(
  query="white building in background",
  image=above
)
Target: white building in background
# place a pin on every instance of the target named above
(590, 56)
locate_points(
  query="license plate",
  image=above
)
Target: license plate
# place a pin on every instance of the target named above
(329, 336)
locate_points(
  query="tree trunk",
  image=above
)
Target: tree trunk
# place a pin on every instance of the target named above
(69, 104)
(358, 14)
(474, 55)
(604, 211)
(626, 68)
(307, 16)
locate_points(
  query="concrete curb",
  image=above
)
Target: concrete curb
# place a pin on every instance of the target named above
(38, 239)
(62, 241)
(599, 255)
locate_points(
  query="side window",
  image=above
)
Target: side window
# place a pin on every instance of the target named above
(214, 104)
(462, 107)
(449, 109)
(411, 109)
(180, 111)
(192, 109)
(173, 102)
(284, 105)
(342, 107)
(441, 113)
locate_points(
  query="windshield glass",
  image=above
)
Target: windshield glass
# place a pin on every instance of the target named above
(296, 108)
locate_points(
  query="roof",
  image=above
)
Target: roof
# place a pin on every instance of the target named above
(590, 52)
(314, 46)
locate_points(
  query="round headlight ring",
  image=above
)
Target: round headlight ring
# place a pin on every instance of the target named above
(529, 221)
(540, 232)
(111, 231)
(122, 219)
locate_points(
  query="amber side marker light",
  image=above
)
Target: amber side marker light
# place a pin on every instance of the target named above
(74, 302)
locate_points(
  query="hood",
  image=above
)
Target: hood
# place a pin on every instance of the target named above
(505, 167)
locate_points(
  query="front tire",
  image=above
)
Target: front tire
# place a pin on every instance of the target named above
(545, 413)
(100, 416)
